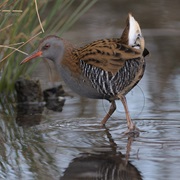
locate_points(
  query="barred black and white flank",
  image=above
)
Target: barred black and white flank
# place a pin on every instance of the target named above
(109, 85)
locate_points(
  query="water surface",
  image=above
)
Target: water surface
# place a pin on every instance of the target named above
(72, 144)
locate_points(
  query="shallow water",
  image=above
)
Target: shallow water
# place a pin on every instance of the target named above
(71, 144)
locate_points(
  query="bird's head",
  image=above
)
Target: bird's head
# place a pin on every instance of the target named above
(51, 48)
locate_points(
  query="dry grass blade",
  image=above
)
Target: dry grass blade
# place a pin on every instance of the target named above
(11, 11)
(15, 44)
(20, 47)
(6, 27)
(16, 49)
(38, 16)
(3, 3)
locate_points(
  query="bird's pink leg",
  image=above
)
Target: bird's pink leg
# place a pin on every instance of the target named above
(110, 112)
(131, 126)
(128, 118)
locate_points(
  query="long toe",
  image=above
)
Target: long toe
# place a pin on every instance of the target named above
(132, 132)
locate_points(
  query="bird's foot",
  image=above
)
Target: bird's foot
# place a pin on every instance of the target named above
(132, 131)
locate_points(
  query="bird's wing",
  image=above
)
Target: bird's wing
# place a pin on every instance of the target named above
(109, 54)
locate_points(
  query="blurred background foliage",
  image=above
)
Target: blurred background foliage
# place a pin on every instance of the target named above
(18, 27)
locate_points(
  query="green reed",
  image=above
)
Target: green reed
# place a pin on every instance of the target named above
(21, 23)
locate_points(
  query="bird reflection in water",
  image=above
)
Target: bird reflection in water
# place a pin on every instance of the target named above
(106, 165)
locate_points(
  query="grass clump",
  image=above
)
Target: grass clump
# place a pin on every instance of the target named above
(21, 21)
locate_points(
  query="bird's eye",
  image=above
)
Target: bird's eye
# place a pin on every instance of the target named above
(46, 46)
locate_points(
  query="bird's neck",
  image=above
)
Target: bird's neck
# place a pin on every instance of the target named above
(69, 61)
